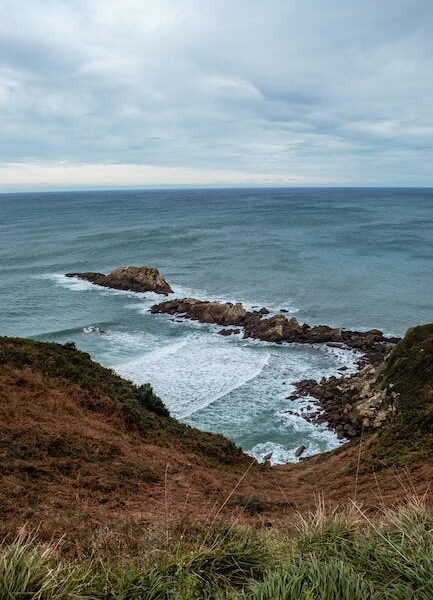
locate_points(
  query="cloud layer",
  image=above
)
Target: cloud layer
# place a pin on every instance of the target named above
(319, 91)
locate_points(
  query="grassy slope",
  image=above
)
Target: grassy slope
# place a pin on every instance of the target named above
(80, 447)
(142, 410)
(409, 373)
(87, 454)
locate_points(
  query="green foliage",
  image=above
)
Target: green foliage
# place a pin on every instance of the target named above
(149, 400)
(314, 580)
(29, 571)
(408, 376)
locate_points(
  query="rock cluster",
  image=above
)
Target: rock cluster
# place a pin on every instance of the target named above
(134, 279)
(277, 328)
(227, 332)
(350, 405)
(220, 313)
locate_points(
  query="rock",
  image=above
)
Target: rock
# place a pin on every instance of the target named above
(227, 332)
(274, 329)
(305, 387)
(350, 404)
(299, 451)
(278, 328)
(266, 458)
(221, 313)
(134, 279)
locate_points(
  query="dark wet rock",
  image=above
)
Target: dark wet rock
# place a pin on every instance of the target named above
(305, 387)
(134, 279)
(227, 332)
(299, 451)
(278, 328)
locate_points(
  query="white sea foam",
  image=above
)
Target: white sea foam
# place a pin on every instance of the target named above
(71, 283)
(259, 407)
(113, 345)
(194, 372)
(94, 329)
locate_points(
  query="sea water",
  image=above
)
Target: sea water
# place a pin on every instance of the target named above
(357, 258)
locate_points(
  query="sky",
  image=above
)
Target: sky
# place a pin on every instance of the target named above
(136, 93)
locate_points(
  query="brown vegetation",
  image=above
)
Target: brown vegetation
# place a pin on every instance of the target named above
(82, 450)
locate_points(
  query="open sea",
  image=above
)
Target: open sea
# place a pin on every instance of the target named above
(357, 258)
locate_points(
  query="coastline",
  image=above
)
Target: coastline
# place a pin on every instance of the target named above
(334, 401)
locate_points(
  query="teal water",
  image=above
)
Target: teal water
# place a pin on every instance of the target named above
(356, 258)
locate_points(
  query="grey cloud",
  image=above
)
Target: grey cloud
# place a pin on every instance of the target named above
(338, 89)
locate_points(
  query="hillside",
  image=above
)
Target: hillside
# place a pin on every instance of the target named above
(84, 450)
(79, 444)
(409, 374)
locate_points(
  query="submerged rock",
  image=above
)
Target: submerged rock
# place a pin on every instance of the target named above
(227, 332)
(299, 451)
(134, 279)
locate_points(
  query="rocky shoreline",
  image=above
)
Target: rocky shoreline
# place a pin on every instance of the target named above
(278, 328)
(349, 404)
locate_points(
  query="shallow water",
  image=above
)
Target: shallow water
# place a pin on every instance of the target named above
(356, 258)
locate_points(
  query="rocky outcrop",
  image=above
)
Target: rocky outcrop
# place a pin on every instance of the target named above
(220, 313)
(278, 328)
(350, 405)
(134, 279)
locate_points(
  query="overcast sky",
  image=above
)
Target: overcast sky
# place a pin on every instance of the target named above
(137, 92)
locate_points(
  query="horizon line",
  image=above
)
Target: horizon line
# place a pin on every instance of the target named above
(192, 187)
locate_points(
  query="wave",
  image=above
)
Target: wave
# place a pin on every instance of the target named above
(72, 331)
(192, 373)
(71, 283)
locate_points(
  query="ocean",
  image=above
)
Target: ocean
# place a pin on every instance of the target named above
(357, 258)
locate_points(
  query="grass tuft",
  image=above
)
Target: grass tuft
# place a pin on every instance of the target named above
(341, 555)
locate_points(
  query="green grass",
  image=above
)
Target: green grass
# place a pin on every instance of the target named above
(338, 556)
